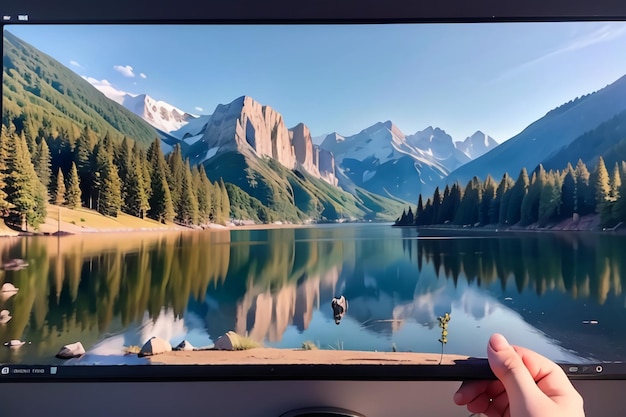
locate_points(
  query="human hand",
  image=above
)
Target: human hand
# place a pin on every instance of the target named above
(528, 385)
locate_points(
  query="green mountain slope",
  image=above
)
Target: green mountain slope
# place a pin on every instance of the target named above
(38, 90)
(607, 140)
(297, 196)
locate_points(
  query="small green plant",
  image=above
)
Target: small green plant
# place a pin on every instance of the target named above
(132, 350)
(308, 345)
(245, 343)
(82, 219)
(443, 325)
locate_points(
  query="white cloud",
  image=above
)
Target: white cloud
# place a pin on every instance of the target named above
(75, 63)
(199, 109)
(105, 87)
(142, 75)
(126, 71)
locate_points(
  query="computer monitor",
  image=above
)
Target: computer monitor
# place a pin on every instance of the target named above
(302, 193)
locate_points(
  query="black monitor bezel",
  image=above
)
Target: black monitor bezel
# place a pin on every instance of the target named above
(287, 12)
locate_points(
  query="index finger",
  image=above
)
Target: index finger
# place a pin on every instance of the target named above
(549, 376)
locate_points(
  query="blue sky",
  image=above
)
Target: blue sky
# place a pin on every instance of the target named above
(493, 77)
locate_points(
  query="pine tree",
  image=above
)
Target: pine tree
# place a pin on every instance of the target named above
(208, 187)
(5, 205)
(108, 185)
(216, 203)
(549, 199)
(176, 177)
(619, 207)
(529, 211)
(59, 191)
(72, 192)
(145, 171)
(456, 195)
(123, 160)
(42, 163)
(616, 183)
(518, 192)
(585, 200)
(188, 204)
(419, 212)
(470, 204)
(568, 193)
(501, 203)
(136, 199)
(445, 213)
(602, 192)
(409, 217)
(204, 204)
(225, 202)
(160, 201)
(25, 192)
(402, 221)
(428, 213)
(489, 195)
(436, 206)
(83, 151)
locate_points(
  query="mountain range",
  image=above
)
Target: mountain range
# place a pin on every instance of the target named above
(380, 159)
(369, 175)
(557, 138)
(36, 85)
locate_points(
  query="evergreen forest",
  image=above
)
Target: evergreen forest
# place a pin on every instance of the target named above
(85, 169)
(543, 198)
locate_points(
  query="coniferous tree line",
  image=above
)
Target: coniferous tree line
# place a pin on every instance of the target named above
(103, 174)
(541, 198)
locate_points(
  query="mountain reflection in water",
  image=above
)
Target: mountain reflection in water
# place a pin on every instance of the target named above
(275, 285)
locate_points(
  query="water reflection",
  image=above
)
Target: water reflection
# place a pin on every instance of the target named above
(109, 291)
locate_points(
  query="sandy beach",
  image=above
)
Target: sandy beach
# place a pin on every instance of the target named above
(272, 356)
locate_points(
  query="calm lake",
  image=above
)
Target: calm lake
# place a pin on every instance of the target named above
(542, 290)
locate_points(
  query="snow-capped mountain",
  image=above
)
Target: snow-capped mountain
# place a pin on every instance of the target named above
(476, 145)
(193, 130)
(440, 146)
(383, 160)
(159, 114)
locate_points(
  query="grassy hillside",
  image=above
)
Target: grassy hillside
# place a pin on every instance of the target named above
(297, 196)
(39, 92)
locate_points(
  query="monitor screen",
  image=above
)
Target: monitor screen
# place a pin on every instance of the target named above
(259, 195)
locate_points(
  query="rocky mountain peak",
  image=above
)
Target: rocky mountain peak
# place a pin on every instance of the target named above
(476, 145)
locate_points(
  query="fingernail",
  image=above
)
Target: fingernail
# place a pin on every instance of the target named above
(458, 397)
(498, 342)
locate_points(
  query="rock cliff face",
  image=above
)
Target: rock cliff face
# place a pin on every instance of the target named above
(317, 162)
(247, 126)
(326, 165)
(303, 146)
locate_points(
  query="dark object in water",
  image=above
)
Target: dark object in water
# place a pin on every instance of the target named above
(14, 264)
(340, 306)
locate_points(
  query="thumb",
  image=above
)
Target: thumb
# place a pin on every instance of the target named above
(511, 370)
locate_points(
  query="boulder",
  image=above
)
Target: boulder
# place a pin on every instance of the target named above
(14, 264)
(14, 343)
(228, 341)
(8, 287)
(185, 345)
(5, 316)
(155, 346)
(72, 350)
